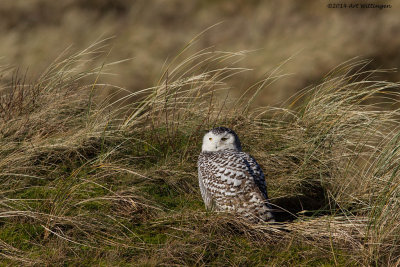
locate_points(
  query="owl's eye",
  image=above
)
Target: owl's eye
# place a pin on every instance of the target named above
(210, 138)
(224, 138)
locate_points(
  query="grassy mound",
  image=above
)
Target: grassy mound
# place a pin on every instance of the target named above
(113, 181)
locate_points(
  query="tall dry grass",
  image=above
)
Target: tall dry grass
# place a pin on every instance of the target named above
(93, 181)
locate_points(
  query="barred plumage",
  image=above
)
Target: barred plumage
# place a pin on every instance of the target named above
(231, 180)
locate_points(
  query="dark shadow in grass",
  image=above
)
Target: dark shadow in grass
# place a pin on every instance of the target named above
(311, 202)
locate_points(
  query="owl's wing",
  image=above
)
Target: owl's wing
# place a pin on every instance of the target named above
(204, 174)
(256, 173)
(259, 180)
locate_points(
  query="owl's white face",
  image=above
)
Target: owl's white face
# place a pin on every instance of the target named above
(219, 141)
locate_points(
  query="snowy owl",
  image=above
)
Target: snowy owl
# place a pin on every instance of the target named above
(231, 180)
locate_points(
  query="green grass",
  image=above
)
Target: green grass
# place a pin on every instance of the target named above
(93, 182)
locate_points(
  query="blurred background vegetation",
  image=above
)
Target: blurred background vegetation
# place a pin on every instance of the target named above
(315, 38)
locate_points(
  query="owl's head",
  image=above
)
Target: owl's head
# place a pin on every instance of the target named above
(221, 138)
